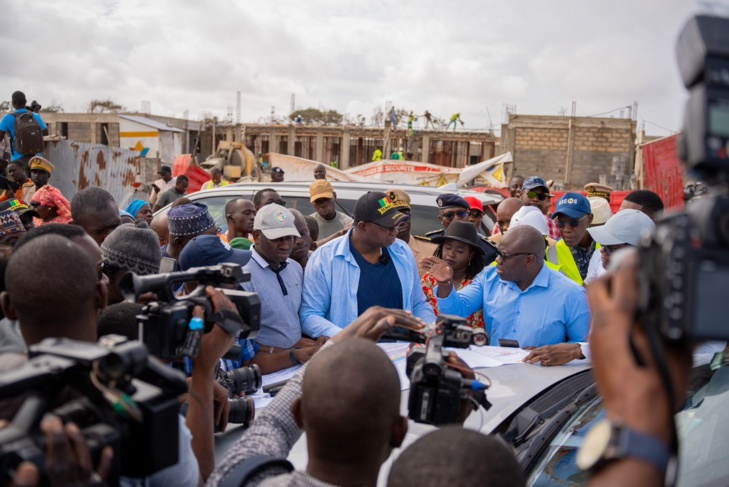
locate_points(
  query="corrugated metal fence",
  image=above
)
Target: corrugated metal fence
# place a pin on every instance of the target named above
(80, 166)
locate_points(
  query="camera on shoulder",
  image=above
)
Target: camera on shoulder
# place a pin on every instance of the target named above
(114, 391)
(685, 263)
(167, 327)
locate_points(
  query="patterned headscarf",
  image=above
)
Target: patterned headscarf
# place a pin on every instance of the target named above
(134, 207)
(50, 196)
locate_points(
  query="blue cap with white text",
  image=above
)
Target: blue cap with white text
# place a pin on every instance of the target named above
(572, 205)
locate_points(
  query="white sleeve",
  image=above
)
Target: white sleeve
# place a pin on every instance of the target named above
(594, 268)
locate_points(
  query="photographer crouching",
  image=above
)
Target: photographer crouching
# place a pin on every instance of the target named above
(66, 305)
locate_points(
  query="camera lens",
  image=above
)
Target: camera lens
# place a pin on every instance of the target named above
(245, 379)
(242, 410)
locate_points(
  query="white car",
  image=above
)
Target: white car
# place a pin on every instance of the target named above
(296, 195)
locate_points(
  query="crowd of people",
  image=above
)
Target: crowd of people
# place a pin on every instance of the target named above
(330, 285)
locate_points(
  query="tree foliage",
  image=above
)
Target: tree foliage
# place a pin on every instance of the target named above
(313, 116)
(105, 106)
(52, 109)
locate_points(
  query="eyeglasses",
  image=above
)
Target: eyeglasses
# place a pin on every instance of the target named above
(450, 214)
(475, 214)
(108, 269)
(609, 249)
(401, 226)
(572, 223)
(505, 256)
(539, 196)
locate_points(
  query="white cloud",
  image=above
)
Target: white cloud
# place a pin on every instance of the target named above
(462, 56)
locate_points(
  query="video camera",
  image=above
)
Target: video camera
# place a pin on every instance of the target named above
(685, 264)
(35, 107)
(238, 381)
(436, 389)
(114, 391)
(167, 327)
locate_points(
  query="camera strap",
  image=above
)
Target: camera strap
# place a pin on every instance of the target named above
(246, 470)
(228, 320)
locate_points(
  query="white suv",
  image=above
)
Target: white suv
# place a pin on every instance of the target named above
(296, 195)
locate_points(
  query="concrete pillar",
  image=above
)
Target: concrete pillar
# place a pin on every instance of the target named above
(320, 146)
(425, 149)
(273, 142)
(344, 164)
(570, 154)
(291, 142)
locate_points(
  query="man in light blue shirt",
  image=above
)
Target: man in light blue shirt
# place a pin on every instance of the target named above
(7, 125)
(522, 299)
(366, 267)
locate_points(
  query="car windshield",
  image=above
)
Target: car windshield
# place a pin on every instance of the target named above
(703, 429)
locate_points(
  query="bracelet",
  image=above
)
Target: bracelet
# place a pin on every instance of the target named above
(292, 356)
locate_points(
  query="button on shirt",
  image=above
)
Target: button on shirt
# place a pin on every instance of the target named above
(280, 295)
(552, 310)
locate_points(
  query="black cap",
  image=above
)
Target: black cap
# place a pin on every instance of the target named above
(376, 207)
(463, 232)
(448, 200)
(277, 170)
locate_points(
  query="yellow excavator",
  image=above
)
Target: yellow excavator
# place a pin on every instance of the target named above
(234, 159)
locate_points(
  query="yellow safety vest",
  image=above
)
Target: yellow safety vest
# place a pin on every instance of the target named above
(209, 185)
(561, 256)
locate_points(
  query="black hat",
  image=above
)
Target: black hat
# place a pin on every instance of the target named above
(376, 207)
(463, 232)
(277, 170)
(448, 200)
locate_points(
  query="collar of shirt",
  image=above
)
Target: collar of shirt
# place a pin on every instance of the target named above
(262, 262)
(541, 280)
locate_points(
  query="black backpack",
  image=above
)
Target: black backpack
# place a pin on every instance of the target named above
(28, 139)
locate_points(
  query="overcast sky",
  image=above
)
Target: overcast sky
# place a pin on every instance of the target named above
(470, 56)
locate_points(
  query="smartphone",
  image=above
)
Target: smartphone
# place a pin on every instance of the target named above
(167, 265)
(504, 342)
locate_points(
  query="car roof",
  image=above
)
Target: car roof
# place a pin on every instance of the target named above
(420, 195)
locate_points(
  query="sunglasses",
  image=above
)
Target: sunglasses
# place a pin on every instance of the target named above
(505, 256)
(539, 196)
(609, 249)
(571, 223)
(108, 269)
(450, 214)
(401, 226)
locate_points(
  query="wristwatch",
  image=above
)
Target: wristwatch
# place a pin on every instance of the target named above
(608, 441)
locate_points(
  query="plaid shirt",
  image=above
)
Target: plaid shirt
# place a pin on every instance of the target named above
(551, 225)
(273, 433)
(554, 232)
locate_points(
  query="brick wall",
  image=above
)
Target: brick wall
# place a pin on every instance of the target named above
(602, 149)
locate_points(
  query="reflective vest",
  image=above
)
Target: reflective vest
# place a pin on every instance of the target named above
(562, 260)
(209, 185)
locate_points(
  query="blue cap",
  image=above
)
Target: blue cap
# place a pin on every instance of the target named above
(573, 205)
(534, 182)
(205, 250)
(448, 200)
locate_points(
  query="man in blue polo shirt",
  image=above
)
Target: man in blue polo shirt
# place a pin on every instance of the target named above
(522, 299)
(369, 266)
(7, 125)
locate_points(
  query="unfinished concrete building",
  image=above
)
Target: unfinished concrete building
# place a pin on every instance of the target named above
(572, 151)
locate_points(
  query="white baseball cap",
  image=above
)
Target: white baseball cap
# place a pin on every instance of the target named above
(624, 227)
(275, 221)
(532, 216)
(601, 211)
